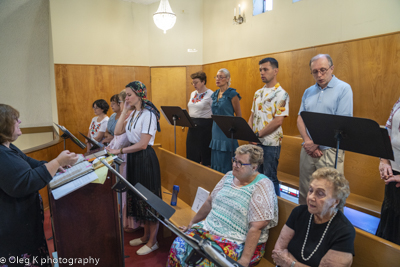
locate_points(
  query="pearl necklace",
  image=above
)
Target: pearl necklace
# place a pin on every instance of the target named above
(320, 241)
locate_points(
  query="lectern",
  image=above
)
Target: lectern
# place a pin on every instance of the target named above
(85, 224)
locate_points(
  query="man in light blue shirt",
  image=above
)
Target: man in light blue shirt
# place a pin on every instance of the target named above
(331, 96)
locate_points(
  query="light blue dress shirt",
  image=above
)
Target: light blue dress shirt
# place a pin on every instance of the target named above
(336, 99)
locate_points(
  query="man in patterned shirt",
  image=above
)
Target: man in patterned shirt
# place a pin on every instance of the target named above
(270, 107)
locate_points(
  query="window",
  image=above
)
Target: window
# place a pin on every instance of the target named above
(261, 6)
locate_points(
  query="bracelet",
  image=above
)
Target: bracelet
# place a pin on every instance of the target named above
(293, 263)
(121, 150)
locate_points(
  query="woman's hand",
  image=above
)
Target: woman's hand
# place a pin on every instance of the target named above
(282, 258)
(62, 168)
(67, 158)
(385, 169)
(185, 228)
(113, 151)
(395, 178)
(126, 106)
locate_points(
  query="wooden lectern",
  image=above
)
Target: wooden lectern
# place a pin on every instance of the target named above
(85, 224)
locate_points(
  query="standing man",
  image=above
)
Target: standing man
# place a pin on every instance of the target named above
(270, 107)
(331, 96)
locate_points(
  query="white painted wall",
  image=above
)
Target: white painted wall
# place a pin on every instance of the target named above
(99, 32)
(26, 67)
(171, 49)
(115, 32)
(291, 26)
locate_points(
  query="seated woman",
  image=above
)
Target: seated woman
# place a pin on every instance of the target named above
(98, 125)
(318, 234)
(238, 214)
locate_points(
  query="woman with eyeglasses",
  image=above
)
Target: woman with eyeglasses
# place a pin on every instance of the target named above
(98, 125)
(225, 102)
(199, 137)
(142, 162)
(238, 214)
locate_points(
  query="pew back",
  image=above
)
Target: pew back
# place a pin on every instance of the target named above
(370, 250)
(367, 189)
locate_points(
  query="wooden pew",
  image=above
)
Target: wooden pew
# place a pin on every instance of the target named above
(371, 251)
(367, 189)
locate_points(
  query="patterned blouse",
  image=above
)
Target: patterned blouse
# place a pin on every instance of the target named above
(234, 208)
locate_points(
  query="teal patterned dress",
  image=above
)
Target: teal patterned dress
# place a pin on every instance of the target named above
(220, 145)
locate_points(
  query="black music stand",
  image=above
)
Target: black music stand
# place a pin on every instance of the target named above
(93, 142)
(201, 248)
(358, 135)
(177, 117)
(235, 128)
(67, 134)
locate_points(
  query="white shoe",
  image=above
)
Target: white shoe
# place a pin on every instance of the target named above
(136, 242)
(146, 250)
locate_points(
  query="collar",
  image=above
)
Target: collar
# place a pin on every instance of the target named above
(273, 88)
(332, 83)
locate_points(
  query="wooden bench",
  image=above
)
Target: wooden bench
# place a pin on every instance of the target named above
(367, 189)
(371, 251)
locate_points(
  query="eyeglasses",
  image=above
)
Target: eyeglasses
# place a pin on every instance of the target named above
(194, 83)
(219, 77)
(239, 164)
(322, 71)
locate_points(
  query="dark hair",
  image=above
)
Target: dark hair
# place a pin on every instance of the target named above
(271, 60)
(102, 104)
(115, 98)
(8, 116)
(199, 75)
(327, 56)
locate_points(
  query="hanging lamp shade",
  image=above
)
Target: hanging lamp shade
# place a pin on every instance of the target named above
(164, 18)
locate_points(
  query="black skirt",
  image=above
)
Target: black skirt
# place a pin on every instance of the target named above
(143, 167)
(389, 225)
(198, 141)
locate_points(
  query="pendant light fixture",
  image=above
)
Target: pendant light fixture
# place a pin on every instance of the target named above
(164, 18)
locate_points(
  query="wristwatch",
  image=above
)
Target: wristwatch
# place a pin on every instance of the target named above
(293, 263)
(258, 134)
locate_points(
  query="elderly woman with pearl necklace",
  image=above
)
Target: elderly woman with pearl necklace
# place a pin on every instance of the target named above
(318, 234)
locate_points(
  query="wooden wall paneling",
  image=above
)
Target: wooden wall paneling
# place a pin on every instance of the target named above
(169, 89)
(78, 86)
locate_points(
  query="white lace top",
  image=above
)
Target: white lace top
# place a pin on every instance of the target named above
(234, 208)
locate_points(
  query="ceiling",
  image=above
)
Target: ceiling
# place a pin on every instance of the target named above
(144, 2)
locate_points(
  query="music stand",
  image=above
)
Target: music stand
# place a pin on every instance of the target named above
(177, 117)
(358, 135)
(235, 128)
(93, 142)
(201, 248)
(67, 134)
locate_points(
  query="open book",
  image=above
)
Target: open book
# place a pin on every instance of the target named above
(72, 173)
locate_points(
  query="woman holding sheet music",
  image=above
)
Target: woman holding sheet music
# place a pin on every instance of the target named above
(21, 225)
(142, 162)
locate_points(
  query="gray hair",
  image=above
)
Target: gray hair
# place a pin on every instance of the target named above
(327, 56)
(228, 75)
(256, 153)
(341, 188)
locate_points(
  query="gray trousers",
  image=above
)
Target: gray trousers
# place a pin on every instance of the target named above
(308, 165)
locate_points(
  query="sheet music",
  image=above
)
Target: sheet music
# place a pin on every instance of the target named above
(97, 154)
(201, 197)
(74, 185)
(70, 174)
